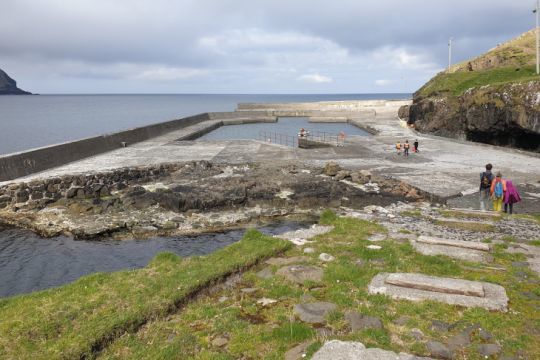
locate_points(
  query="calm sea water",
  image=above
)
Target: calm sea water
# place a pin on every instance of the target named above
(28, 122)
(284, 126)
(30, 263)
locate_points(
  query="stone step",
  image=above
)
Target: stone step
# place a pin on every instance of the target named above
(455, 243)
(431, 283)
(419, 287)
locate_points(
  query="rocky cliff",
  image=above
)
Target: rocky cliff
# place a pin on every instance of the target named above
(494, 99)
(8, 86)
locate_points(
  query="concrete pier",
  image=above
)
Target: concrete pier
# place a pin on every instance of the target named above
(444, 167)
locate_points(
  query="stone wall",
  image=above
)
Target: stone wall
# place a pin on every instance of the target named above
(39, 193)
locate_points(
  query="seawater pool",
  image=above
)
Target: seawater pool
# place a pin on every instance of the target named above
(29, 263)
(289, 126)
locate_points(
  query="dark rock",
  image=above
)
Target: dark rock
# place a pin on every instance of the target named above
(358, 322)
(489, 349)
(73, 191)
(417, 334)
(8, 86)
(342, 174)
(402, 320)
(485, 335)
(314, 313)
(459, 341)
(439, 351)
(21, 196)
(36, 195)
(440, 326)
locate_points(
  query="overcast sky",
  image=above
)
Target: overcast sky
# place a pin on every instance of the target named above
(246, 46)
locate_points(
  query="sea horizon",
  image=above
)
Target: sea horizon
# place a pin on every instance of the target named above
(31, 122)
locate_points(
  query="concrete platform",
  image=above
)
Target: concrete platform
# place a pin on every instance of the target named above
(444, 167)
(419, 287)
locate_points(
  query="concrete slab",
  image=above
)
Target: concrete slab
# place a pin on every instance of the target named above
(451, 251)
(419, 287)
(349, 350)
(431, 283)
(455, 243)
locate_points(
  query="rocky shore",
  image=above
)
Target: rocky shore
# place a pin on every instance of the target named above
(188, 198)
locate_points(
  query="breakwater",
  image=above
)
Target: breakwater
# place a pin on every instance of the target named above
(21, 164)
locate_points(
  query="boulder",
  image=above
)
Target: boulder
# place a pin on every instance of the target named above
(300, 273)
(331, 168)
(342, 174)
(314, 313)
(359, 322)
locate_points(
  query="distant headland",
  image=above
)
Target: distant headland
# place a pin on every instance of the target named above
(8, 86)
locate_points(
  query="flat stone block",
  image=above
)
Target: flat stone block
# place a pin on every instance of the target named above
(451, 251)
(349, 350)
(455, 243)
(418, 287)
(431, 283)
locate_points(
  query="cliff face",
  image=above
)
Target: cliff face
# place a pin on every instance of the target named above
(494, 99)
(505, 115)
(8, 86)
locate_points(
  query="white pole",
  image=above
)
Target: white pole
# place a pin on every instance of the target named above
(450, 52)
(536, 12)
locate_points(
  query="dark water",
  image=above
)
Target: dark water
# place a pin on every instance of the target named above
(29, 263)
(286, 126)
(33, 121)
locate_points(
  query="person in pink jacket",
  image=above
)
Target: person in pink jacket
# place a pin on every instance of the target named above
(511, 196)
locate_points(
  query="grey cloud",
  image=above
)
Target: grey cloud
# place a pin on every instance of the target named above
(123, 39)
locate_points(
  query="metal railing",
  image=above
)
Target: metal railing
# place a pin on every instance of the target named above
(277, 138)
(315, 136)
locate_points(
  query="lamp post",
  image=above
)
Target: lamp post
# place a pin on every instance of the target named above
(450, 52)
(537, 11)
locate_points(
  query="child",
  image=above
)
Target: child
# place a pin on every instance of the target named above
(398, 148)
(415, 146)
(497, 191)
(511, 196)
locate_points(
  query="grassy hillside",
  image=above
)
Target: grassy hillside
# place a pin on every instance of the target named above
(513, 61)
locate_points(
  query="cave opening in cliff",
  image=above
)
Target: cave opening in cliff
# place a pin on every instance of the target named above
(519, 138)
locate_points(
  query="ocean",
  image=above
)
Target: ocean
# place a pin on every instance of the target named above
(28, 122)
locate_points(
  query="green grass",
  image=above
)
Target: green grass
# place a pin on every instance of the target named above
(66, 325)
(268, 332)
(73, 320)
(457, 83)
(411, 213)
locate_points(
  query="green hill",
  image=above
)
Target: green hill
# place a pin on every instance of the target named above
(512, 61)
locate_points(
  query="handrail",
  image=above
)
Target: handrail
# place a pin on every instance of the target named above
(316, 136)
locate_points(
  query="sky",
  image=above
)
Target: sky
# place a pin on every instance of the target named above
(246, 46)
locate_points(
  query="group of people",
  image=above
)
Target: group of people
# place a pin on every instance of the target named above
(498, 190)
(406, 147)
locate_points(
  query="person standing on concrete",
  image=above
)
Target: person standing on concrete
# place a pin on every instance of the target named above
(398, 147)
(486, 178)
(406, 147)
(497, 191)
(415, 149)
(511, 196)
